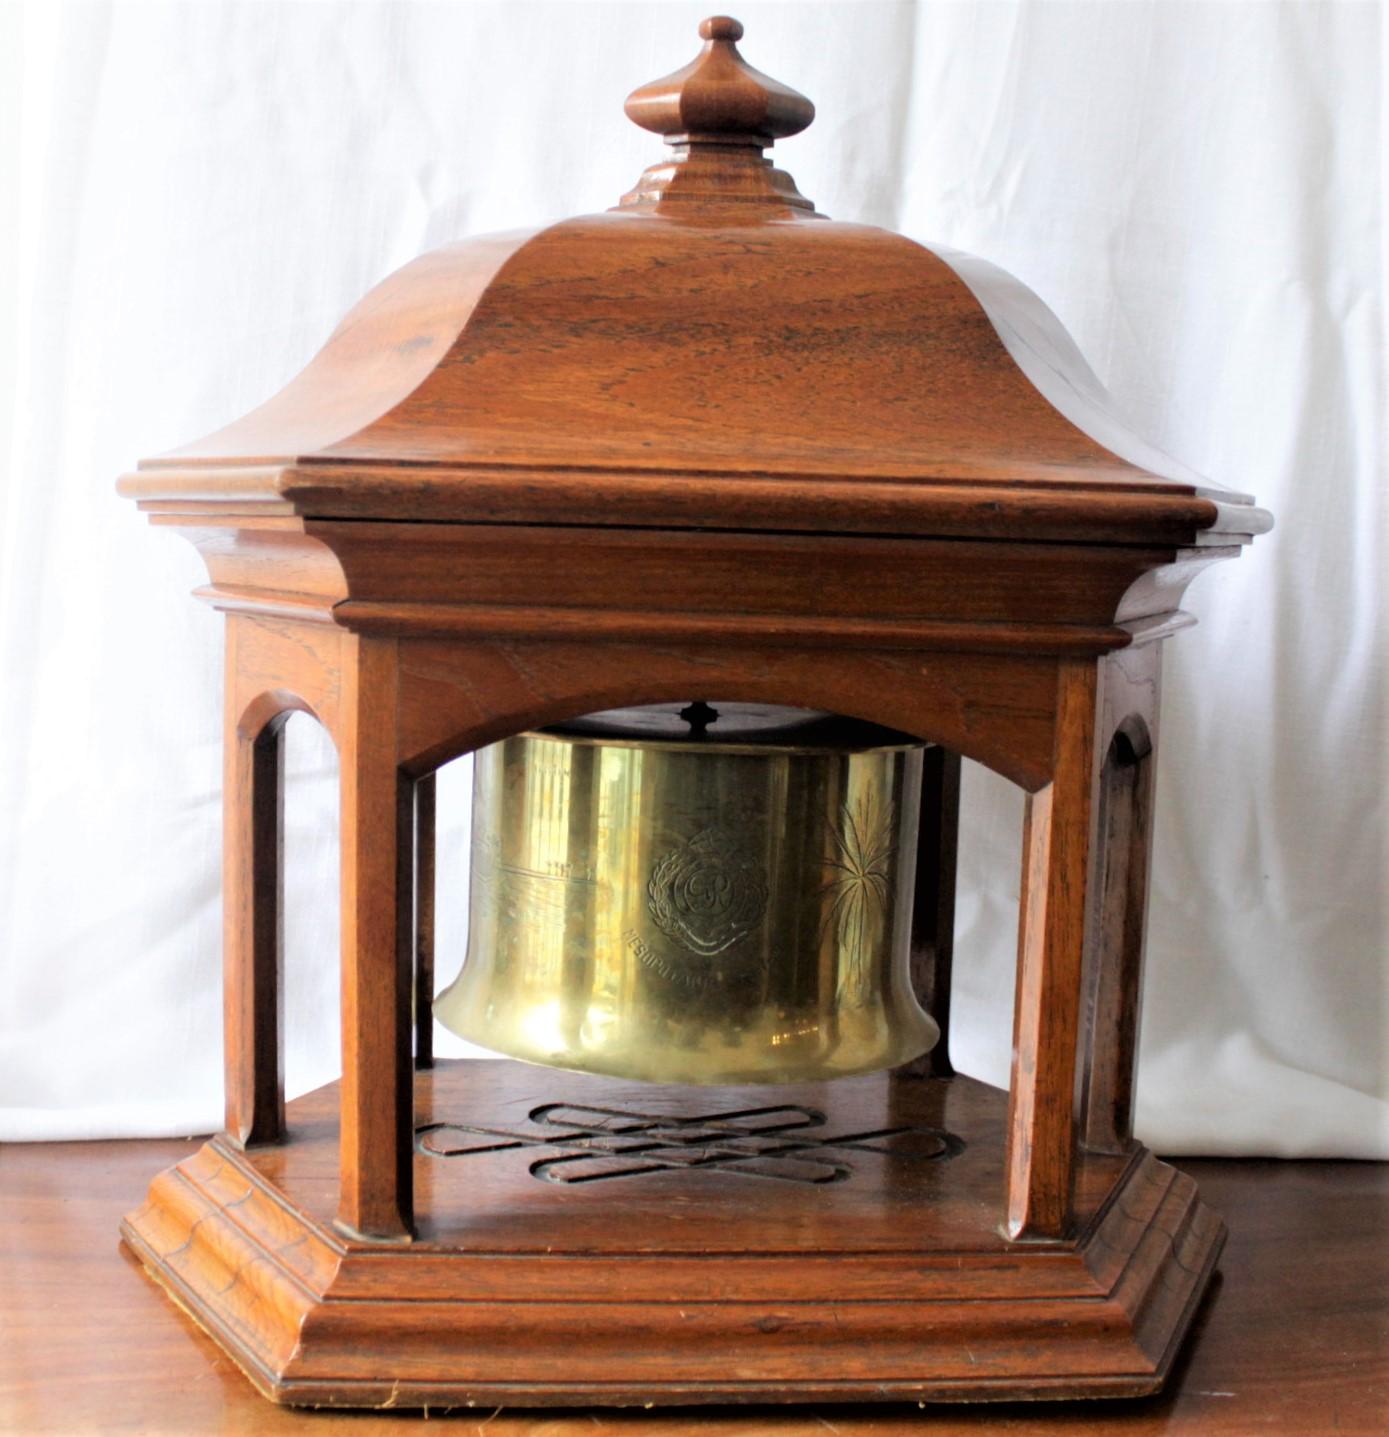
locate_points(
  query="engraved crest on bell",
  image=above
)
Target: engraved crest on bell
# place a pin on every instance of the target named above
(716, 903)
(707, 893)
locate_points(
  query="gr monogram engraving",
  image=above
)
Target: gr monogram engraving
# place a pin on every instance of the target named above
(708, 893)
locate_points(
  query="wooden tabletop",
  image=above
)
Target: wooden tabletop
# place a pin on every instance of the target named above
(1294, 1338)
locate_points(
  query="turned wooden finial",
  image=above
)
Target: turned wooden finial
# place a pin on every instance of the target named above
(719, 114)
(720, 27)
(718, 98)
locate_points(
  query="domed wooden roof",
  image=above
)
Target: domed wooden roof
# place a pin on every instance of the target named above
(710, 352)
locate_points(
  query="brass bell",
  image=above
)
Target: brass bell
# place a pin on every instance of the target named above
(696, 895)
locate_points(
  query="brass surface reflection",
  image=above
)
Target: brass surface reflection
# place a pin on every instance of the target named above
(692, 908)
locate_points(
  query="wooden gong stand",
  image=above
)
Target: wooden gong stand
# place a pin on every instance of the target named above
(423, 582)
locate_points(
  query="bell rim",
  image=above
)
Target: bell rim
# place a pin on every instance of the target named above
(713, 744)
(746, 727)
(918, 1035)
(763, 750)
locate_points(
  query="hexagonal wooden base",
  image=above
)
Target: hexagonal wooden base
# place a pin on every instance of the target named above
(833, 1249)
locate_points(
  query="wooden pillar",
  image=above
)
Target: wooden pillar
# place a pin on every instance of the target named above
(425, 838)
(1115, 950)
(252, 914)
(378, 826)
(1040, 1159)
(933, 903)
(1117, 927)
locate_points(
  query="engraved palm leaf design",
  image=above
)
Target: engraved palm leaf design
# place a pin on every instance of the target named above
(858, 892)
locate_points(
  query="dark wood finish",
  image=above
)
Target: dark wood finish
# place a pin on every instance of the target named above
(1056, 857)
(879, 1294)
(933, 903)
(720, 114)
(718, 99)
(426, 834)
(1291, 1339)
(378, 950)
(253, 926)
(607, 368)
(1112, 987)
(493, 581)
(894, 330)
(428, 678)
(708, 442)
(1110, 1060)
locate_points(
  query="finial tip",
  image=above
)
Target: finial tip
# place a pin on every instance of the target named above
(718, 98)
(720, 27)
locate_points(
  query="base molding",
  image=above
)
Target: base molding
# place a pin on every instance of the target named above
(743, 1292)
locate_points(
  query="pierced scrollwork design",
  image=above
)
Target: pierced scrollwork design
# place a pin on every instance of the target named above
(594, 1144)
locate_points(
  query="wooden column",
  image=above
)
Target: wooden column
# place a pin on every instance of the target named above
(1117, 927)
(933, 903)
(378, 825)
(1115, 952)
(252, 914)
(1040, 1157)
(425, 838)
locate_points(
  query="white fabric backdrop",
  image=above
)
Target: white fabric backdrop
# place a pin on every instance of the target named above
(203, 189)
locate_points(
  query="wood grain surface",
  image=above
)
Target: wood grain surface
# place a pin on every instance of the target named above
(708, 442)
(874, 1267)
(711, 327)
(1293, 1338)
